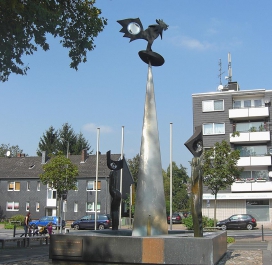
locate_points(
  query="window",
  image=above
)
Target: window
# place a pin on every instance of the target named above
(37, 206)
(15, 186)
(91, 185)
(255, 126)
(90, 207)
(213, 128)
(38, 185)
(212, 105)
(75, 207)
(27, 206)
(257, 103)
(12, 206)
(28, 186)
(64, 205)
(258, 174)
(237, 104)
(248, 103)
(255, 150)
(51, 194)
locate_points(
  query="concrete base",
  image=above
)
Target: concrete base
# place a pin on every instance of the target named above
(107, 246)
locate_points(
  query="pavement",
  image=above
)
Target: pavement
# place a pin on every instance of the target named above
(38, 254)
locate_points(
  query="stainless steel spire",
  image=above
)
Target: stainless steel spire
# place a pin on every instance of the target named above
(150, 210)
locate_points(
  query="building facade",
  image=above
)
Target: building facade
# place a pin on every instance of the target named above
(21, 189)
(242, 118)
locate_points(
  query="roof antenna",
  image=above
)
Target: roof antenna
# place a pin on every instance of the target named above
(229, 77)
(220, 87)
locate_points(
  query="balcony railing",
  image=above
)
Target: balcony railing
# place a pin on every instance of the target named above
(248, 113)
(251, 186)
(254, 161)
(249, 137)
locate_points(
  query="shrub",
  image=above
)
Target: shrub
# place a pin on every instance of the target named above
(188, 222)
(18, 218)
(206, 222)
(230, 240)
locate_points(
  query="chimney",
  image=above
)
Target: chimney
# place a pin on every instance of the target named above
(44, 157)
(20, 155)
(84, 156)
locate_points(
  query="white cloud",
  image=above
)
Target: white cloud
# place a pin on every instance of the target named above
(191, 43)
(92, 128)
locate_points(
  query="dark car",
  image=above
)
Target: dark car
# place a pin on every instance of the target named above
(44, 221)
(88, 222)
(238, 221)
(176, 219)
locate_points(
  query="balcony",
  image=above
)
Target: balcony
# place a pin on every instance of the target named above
(254, 161)
(251, 186)
(248, 113)
(250, 137)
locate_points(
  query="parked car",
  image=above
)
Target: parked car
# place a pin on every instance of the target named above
(88, 222)
(176, 219)
(238, 221)
(44, 221)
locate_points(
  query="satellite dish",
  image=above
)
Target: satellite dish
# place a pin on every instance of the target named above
(8, 153)
(220, 87)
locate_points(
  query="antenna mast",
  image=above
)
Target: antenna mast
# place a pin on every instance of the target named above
(220, 71)
(229, 68)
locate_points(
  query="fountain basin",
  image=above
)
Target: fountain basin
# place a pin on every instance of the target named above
(108, 246)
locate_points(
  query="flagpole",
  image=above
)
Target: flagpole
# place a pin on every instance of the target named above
(96, 176)
(171, 177)
(121, 177)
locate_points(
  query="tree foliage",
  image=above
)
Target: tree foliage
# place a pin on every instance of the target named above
(49, 142)
(60, 173)
(26, 23)
(180, 197)
(14, 150)
(220, 168)
(133, 165)
(54, 140)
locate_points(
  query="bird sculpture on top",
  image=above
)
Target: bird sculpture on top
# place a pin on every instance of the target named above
(133, 29)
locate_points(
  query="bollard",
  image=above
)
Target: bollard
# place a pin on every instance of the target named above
(149, 226)
(262, 234)
(14, 230)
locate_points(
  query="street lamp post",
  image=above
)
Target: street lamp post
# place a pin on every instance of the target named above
(67, 156)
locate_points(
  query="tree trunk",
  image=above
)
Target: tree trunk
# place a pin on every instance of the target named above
(214, 215)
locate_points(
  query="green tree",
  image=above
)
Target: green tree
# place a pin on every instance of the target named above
(49, 142)
(81, 143)
(133, 165)
(26, 24)
(60, 173)
(180, 197)
(14, 150)
(53, 141)
(220, 169)
(67, 134)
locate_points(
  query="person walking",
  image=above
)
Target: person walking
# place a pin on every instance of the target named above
(50, 229)
(26, 224)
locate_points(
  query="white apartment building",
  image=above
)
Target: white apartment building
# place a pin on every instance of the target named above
(248, 112)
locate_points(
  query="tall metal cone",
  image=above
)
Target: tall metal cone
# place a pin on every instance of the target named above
(150, 210)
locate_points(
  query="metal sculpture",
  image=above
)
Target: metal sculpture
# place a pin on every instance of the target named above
(133, 29)
(116, 199)
(114, 165)
(150, 209)
(195, 146)
(116, 195)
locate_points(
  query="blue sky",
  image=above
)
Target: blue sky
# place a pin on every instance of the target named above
(109, 90)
